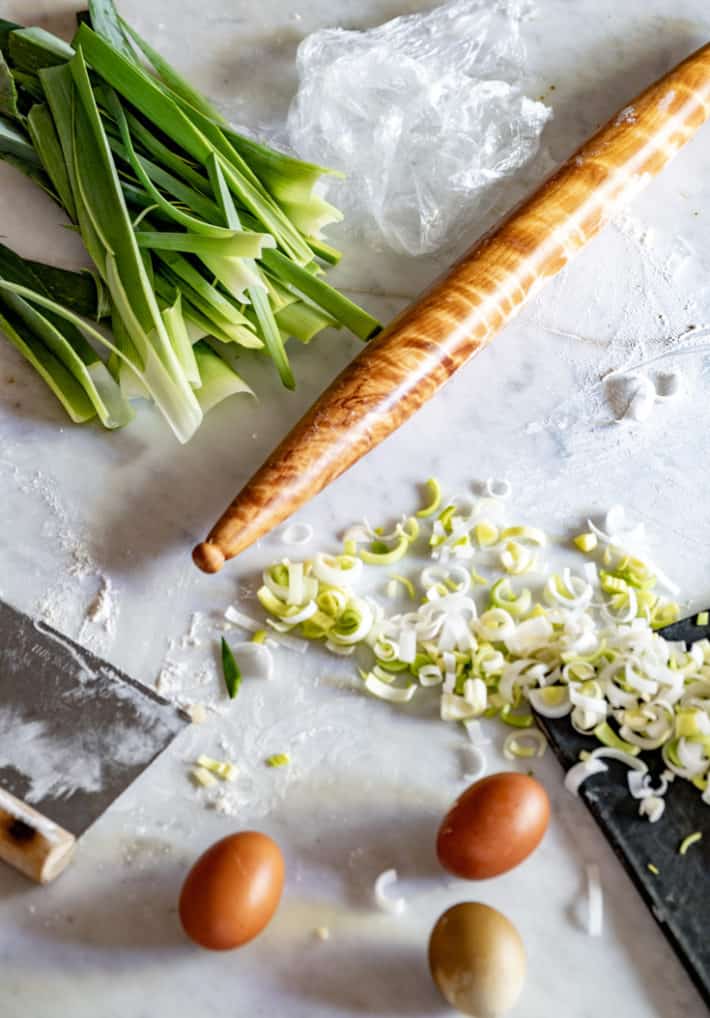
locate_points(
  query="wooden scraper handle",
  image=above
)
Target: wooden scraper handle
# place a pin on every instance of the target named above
(31, 843)
(408, 362)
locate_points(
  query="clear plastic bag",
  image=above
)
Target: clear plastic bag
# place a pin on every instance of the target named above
(424, 114)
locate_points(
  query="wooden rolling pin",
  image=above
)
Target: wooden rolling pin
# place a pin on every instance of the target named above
(408, 362)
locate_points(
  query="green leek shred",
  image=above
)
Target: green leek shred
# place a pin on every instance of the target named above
(230, 670)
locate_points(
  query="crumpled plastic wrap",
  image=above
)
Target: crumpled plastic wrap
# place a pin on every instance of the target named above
(424, 114)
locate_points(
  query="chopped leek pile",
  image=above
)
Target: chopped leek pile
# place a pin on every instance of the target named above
(490, 628)
(204, 241)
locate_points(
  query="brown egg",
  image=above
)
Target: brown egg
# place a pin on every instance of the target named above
(477, 960)
(232, 891)
(493, 826)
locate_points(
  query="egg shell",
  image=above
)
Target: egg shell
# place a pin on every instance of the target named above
(493, 826)
(232, 891)
(477, 960)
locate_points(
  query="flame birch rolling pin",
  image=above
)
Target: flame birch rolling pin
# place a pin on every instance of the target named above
(408, 362)
(74, 733)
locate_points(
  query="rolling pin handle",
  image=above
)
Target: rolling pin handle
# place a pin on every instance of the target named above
(31, 843)
(208, 557)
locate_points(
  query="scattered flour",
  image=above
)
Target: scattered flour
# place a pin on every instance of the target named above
(98, 630)
(626, 323)
(67, 605)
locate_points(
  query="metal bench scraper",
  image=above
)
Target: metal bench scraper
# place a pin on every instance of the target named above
(74, 733)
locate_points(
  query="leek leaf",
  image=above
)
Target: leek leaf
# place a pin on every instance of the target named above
(64, 341)
(219, 380)
(170, 76)
(166, 157)
(28, 89)
(64, 386)
(186, 273)
(8, 91)
(46, 143)
(81, 292)
(6, 27)
(272, 335)
(105, 21)
(88, 370)
(326, 252)
(194, 200)
(166, 110)
(259, 297)
(143, 92)
(231, 244)
(31, 49)
(303, 321)
(108, 210)
(16, 144)
(230, 670)
(59, 91)
(322, 294)
(146, 363)
(108, 234)
(189, 222)
(177, 330)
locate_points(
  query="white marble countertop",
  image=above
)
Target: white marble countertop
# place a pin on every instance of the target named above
(361, 796)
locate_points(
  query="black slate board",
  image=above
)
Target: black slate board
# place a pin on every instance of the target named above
(679, 896)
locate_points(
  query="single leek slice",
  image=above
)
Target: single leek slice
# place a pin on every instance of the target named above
(434, 492)
(384, 556)
(686, 843)
(278, 760)
(608, 737)
(486, 534)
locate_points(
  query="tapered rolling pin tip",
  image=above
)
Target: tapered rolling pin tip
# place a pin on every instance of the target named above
(208, 557)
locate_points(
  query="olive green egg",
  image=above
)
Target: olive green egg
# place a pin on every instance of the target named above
(477, 960)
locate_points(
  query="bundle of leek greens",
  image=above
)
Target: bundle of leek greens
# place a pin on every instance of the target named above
(201, 238)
